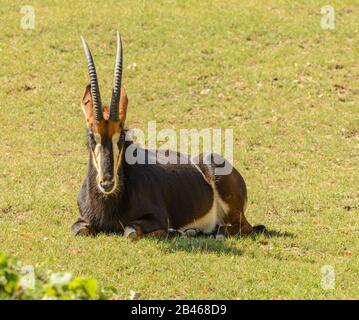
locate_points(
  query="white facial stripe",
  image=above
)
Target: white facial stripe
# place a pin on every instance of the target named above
(116, 151)
(96, 153)
(97, 138)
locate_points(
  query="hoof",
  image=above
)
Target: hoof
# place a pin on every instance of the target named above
(84, 231)
(220, 236)
(259, 229)
(192, 232)
(221, 233)
(173, 233)
(131, 233)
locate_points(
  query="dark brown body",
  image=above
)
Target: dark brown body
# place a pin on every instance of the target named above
(152, 198)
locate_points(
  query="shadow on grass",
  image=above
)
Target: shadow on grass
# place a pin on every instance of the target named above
(200, 244)
(272, 234)
(278, 234)
(206, 244)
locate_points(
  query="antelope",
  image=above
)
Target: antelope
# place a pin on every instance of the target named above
(156, 199)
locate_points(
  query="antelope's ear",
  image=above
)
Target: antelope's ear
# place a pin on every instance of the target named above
(123, 106)
(87, 106)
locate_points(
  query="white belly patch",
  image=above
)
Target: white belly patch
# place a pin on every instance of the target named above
(207, 222)
(213, 217)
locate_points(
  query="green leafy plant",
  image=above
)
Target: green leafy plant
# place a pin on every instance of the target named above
(16, 282)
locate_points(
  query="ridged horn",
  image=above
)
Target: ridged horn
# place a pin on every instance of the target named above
(95, 90)
(116, 91)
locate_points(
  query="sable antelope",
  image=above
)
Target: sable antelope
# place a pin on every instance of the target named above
(149, 199)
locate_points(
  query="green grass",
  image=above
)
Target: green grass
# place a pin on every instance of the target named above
(288, 89)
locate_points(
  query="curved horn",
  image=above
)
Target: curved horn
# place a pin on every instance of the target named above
(95, 90)
(116, 91)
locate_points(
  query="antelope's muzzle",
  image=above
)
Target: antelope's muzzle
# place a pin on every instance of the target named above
(107, 186)
(107, 172)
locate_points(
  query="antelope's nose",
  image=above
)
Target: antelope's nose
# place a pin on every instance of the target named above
(107, 185)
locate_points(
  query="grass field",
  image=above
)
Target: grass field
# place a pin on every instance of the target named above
(288, 88)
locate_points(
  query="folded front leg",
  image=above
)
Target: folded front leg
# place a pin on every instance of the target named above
(82, 228)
